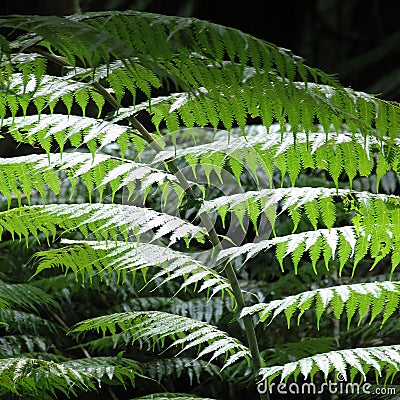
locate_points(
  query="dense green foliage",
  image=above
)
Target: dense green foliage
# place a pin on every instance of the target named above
(194, 190)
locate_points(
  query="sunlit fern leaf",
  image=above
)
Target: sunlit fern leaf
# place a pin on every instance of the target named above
(102, 220)
(25, 297)
(85, 258)
(37, 378)
(155, 327)
(120, 77)
(178, 367)
(34, 87)
(190, 53)
(375, 229)
(319, 243)
(60, 129)
(233, 102)
(316, 146)
(40, 91)
(23, 175)
(336, 298)
(349, 363)
(315, 203)
(263, 146)
(234, 148)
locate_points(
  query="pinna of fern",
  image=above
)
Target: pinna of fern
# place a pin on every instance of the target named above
(126, 259)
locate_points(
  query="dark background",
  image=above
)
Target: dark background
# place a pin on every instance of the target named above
(359, 40)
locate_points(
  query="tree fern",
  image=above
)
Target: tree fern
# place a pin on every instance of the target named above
(177, 59)
(135, 274)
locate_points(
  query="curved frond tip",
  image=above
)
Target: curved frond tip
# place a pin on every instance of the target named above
(85, 258)
(155, 326)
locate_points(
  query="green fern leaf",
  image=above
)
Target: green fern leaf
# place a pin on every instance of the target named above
(360, 360)
(357, 296)
(155, 326)
(38, 378)
(105, 258)
(103, 220)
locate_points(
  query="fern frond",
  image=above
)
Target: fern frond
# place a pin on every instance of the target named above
(256, 147)
(40, 91)
(23, 175)
(316, 147)
(235, 101)
(154, 327)
(356, 361)
(318, 204)
(155, 37)
(15, 345)
(375, 230)
(104, 258)
(38, 378)
(222, 77)
(380, 296)
(177, 367)
(318, 243)
(102, 220)
(25, 297)
(45, 130)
